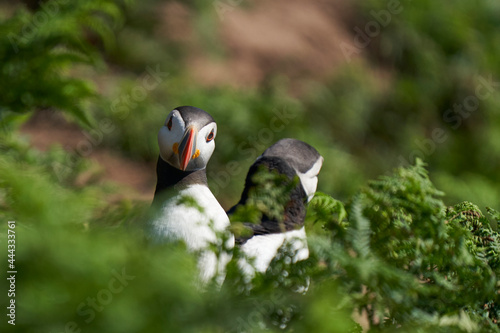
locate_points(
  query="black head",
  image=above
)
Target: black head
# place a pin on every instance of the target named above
(186, 139)
(299, 154)
(303, 158)
(194, 115)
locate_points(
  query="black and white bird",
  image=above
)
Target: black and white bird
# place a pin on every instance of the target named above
(291, 158)
(186, 208)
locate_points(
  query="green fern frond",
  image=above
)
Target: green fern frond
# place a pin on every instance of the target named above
(323, 207)
(359, 230)
(41, 49)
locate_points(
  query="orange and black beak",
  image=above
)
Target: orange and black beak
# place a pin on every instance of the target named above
(187, 147)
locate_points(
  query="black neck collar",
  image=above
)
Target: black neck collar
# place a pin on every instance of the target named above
(173, 178)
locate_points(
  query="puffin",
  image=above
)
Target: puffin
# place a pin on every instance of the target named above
(296, 161)
(185, 208)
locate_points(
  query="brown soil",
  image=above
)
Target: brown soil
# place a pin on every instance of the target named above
(137, 180)
(294, 38)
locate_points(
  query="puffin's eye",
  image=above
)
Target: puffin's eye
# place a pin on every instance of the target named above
(169, 124)
(210, 136)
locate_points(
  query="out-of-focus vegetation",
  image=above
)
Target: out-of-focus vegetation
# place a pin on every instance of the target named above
(416, 90)
(395, 254)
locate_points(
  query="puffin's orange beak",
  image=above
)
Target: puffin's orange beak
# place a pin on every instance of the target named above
(187, 148)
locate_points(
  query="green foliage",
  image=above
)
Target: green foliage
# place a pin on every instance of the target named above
(407, 262)
(329, 214)
(484, 241)
(463, 52)
(40, 52)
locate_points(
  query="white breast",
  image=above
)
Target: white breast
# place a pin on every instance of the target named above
(196, 228)
(263, 249)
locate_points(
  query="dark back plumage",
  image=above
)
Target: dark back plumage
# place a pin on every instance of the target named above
(294, 210)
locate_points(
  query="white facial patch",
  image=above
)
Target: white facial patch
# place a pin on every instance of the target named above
(204, 147)
(309, 179)
(170, 137)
